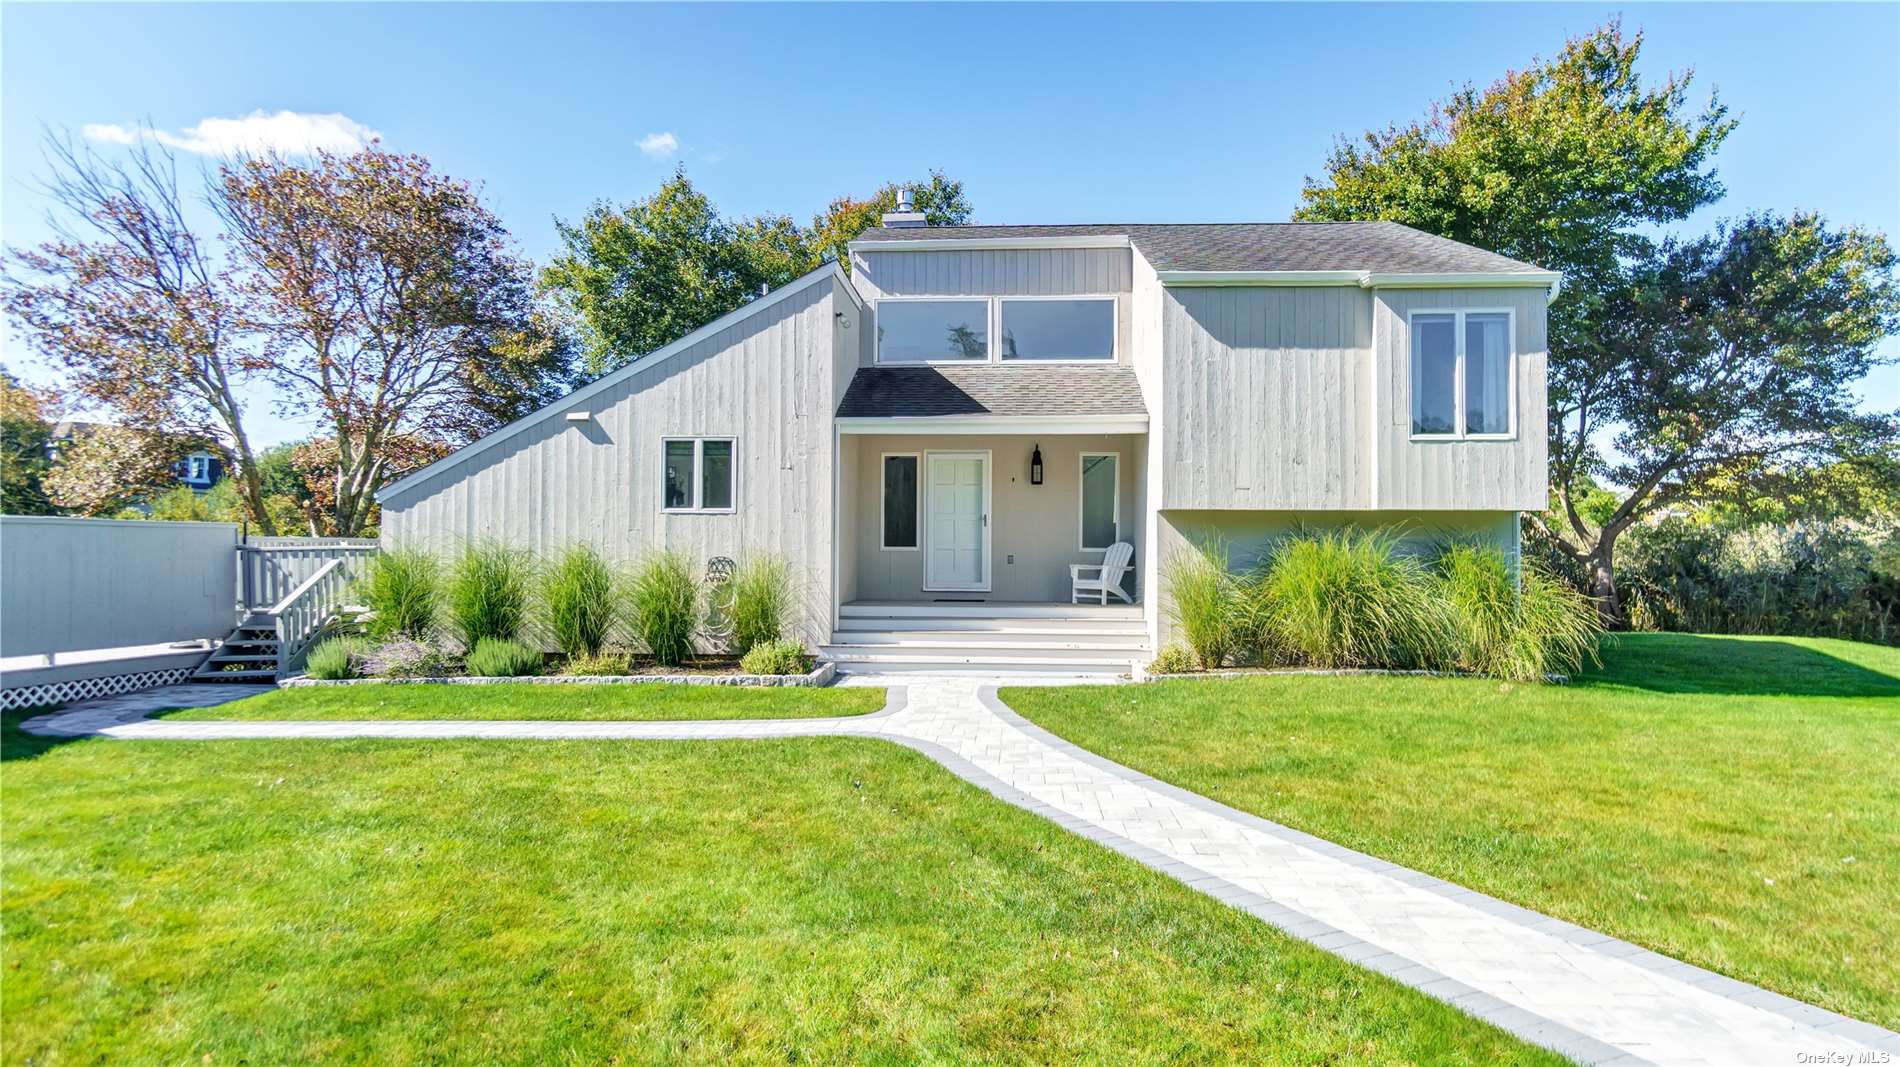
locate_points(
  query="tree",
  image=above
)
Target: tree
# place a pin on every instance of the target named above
(126, 300)
(388, 301)
(1727, 366)
(106, 469)
(1557, 165)
(640, 276)
(939, 199)
(315, 462)
(26, 416)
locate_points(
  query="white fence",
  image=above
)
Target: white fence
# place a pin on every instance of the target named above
(71, 584)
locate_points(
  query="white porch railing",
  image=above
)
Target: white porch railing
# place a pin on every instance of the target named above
(301, 614)
(269, 568)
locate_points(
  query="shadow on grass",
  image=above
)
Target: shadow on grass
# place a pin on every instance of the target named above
(16, 743)
(1691, 663)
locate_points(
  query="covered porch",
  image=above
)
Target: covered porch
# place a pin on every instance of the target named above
(971, 518)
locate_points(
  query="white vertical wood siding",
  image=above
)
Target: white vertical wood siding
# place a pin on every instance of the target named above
(768, 380)
(1458, 474)
(1020, 272)
(1265, 397)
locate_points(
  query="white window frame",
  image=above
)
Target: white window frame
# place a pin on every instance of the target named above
(993, 336)
(1114, 330)
(1081, 501)
(989, 331)
(197, 468)
(1459, 404)
(917, 503)
(698, 483)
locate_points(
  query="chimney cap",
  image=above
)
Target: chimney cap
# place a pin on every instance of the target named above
(905, 215)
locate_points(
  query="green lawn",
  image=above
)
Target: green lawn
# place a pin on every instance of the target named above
(1732, 802)
(639, 902)
(657, 700)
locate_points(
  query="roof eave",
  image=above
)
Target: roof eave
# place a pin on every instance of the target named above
(978, 244)
(1523, 279)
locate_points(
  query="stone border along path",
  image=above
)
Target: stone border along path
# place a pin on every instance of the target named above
(1584, 994)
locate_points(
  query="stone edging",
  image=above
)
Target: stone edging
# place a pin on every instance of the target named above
(1475, 1002)
(1321, 672)
(820, 675)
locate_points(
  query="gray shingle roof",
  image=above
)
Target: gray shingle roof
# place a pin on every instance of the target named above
(1017, 389)
(1382, 247)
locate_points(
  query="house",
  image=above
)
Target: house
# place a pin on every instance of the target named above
(198, 469)
(935, 436)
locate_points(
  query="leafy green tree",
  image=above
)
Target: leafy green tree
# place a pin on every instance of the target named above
(1559, 164)
(1727, 371)
(25, 426)
(639, 276)
(939, 199)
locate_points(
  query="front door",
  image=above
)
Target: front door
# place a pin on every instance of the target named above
(957, 506)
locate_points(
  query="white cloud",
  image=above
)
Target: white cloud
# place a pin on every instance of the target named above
(109, 133)
(289, 132)
(660, 145)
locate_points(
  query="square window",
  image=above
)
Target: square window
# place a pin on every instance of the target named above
(698, 474)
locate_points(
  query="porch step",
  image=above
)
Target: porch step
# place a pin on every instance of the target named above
(883, 660)
(990, 611)
(1107, 627)
(1004, 641)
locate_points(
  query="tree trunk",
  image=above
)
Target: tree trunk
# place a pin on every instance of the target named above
(1602, 565)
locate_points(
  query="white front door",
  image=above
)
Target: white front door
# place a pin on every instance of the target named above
(957, 506)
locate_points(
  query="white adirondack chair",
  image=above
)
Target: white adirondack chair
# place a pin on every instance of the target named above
(1107, 575)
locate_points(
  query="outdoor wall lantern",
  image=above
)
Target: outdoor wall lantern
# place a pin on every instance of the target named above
(1035, 466)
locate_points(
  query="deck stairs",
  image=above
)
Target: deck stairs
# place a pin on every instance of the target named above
(248, 654)
(966, 637)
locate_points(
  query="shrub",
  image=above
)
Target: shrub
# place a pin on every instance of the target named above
(582, 605)
(498, 657)
(335, 657)
(1475, 584)
(406, 657)
(1201, 600)
(1173, 659)
(663, 607)
(401, 589)
(602, 663)
(778, 656)
(1524, 634)
(1351, 599)
(757, 600)
(1557, 630)
(488, 592)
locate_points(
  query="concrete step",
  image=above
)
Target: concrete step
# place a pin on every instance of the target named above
(1108, 627)
(972, 639)
(980, 610)
(977, 668)
(878, 660)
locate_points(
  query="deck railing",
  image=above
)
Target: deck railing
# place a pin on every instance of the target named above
(269, 568)
(302, 613)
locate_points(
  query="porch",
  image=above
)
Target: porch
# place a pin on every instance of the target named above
(990, 522)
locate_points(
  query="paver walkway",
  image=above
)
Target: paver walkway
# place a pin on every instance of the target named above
(1587, 995)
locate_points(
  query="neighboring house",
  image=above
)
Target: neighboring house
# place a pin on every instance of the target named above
(1176, 381)
(199, 469)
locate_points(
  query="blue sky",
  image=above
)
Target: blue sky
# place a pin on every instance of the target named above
(1065, 113)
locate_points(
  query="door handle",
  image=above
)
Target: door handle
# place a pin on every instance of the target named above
(986, 520)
